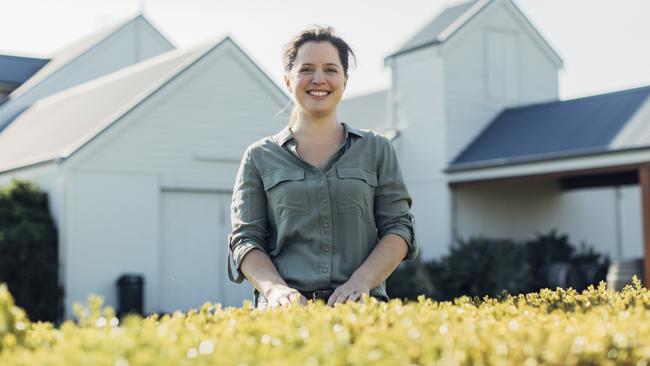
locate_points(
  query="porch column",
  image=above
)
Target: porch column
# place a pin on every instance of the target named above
(644, 183)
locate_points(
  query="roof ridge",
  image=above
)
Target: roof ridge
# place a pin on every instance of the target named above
(73, 51)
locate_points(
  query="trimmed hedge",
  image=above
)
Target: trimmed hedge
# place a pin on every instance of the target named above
(562, 327)
(29, 251)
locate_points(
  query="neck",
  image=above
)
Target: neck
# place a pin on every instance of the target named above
(315, 125)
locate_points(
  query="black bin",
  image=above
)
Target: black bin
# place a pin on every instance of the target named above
(130, 289)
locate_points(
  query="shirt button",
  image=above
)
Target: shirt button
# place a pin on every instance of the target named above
(326, 249)
(324, 200)
(324, 270)
(326, 225)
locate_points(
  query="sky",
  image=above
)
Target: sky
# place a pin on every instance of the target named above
(605, 44)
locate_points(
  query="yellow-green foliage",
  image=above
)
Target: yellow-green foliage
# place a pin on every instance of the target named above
(562, 327)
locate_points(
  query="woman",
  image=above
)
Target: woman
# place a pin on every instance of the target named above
(319, 210)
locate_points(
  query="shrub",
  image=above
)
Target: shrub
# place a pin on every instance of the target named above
(562, 327)
(479, 267)
(409, 281)
(482, 266)
(546, 249)
(29, 251)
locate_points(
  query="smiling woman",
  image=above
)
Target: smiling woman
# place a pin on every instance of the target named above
(320, 210)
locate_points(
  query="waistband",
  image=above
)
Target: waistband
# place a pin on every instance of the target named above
(322, 294)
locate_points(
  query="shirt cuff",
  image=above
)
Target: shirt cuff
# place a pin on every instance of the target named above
(240, 251)
(407, 233)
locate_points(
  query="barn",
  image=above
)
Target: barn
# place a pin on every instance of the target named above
(139, 166)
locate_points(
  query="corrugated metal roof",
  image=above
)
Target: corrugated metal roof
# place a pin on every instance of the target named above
(555, 129)
(432, 31)
(14, 70)
(56, 126)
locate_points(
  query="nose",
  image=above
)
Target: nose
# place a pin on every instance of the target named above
(318, 77)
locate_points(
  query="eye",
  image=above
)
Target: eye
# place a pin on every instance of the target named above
(305, 69)
(334, 71)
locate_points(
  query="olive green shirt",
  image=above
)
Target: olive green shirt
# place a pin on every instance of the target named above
(318, 226)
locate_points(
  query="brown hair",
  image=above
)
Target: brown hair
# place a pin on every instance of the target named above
(316, 33)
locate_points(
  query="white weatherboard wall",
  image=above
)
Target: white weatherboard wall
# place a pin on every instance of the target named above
(441, 99)
(418, 108)
(478, 85)
(187, 139)
(112, 229)
(594, 216)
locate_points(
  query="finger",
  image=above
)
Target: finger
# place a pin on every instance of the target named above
(294, 297)
(333, 297)
(341, 299)
(302, 300)
(354, 296)
(297, 298)
(284, 301)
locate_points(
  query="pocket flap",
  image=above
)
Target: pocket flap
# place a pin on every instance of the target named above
(358, 173)
(280, 175)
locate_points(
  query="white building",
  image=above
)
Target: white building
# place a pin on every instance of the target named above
(139, 165)
(487, 149)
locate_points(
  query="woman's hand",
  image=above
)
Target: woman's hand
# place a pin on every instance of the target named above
(352, 290)
(284, 296)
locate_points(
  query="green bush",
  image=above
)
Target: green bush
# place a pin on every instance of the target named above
(546, 249)
(482, 266)
(28, 251)
(479, 267)
(409, 281)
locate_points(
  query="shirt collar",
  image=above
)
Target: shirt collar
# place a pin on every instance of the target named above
(285, 135)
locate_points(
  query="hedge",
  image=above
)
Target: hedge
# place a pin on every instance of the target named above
(561, 327)
(29, 261)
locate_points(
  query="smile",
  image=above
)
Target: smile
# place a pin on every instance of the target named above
(318, 93)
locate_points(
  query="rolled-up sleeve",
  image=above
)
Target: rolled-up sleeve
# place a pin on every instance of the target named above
(392, 201)
(247, 214)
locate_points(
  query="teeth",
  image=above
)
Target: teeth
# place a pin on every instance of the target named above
(318, 93)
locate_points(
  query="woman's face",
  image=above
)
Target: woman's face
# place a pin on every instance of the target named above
(317, 80)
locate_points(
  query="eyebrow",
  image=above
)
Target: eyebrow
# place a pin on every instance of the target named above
(327, 64)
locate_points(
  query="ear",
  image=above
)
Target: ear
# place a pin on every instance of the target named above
(345, 82)
(287, 82)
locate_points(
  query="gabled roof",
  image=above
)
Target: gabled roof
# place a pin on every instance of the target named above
(74, 50)
(436, 30)
(56, 127)
(38, 87)
(576, 127)
(14, 70)
(451, 20)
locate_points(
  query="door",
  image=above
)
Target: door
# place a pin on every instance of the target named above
(195, 226)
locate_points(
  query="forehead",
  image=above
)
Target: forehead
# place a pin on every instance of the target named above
(317, 53)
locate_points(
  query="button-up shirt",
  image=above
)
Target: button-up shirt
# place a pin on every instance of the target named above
(318, 226)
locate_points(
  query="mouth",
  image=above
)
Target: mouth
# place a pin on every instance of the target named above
(319, 93)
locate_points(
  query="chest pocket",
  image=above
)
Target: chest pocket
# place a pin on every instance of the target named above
(286, 192)
(356, 192)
